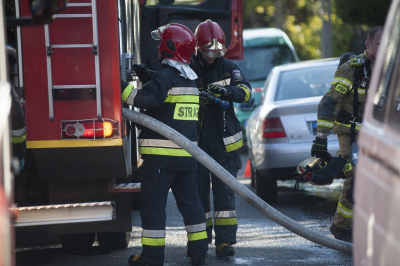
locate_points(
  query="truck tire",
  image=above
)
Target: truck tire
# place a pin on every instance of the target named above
(113, 240)
(267, 190)
(77, 242)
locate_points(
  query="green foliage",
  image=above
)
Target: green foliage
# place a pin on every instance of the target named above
(302, 21)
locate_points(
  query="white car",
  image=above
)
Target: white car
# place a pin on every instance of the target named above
(282, 128)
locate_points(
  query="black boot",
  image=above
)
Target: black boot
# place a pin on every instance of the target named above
(137, 260)
(224, 250)
(341, 234)
(197, 261)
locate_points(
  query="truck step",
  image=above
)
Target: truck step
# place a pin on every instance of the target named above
(125, 187)
(65, 213)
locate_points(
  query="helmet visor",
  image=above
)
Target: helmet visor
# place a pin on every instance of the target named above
(213, 49)
(212, 54)
(155, 34)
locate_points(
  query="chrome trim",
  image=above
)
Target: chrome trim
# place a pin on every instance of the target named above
(78, 4)
(96, 58)
(49, 77)
(66, 87)
(72, 46)
(65, 213)
(74, 15)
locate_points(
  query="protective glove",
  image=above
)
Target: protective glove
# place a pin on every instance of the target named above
(142, 71)
(320, 147)
(218, 89)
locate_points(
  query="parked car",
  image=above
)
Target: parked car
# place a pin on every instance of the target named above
(376, 233)
(282, 128)
(264, 48)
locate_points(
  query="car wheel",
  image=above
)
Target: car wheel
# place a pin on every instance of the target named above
(267, 190)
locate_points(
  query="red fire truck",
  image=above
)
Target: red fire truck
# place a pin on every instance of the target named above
(81, 153)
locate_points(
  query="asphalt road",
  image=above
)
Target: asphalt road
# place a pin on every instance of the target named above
(260, 240)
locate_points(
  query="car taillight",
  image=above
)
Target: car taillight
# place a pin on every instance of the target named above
(273, 128)
(89, 129)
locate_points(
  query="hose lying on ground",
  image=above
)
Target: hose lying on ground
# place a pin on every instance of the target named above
(234, 184)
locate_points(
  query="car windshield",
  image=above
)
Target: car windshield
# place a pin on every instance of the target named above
(305, 82)
(258, 61)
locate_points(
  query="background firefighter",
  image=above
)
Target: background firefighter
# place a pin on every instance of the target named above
(337, 112)
(220, 134)
(170, 95)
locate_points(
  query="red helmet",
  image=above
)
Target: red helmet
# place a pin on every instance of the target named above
(177, 42)
(210, 39)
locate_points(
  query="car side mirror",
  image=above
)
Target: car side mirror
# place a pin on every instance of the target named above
(354, 153)
(250, 105)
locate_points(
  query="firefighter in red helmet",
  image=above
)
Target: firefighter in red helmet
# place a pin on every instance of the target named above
(166, 165)
(220, 134)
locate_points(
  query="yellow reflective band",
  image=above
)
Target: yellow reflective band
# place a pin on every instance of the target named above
(347, 167)
(127, 91)
(345, 212)
(153, 241)
(341, 89)
(17, 140)
(324, 123)
(197, 236)
(234, 146)
(209, 222)
(348, 125)
(186, 111)
(164, 151)
(230, 221)
(182, 99)
(246, 91)
(347, 83)
(360, 91)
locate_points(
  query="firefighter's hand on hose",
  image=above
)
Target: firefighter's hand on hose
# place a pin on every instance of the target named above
(218, 89)
(320, 147)
(143, 73)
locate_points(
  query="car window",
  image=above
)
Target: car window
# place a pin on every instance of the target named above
(391, 52)
(258, 61)
(305, 82)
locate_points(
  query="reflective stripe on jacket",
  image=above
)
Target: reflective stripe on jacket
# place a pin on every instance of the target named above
(226, 73)
(340, 97)
(174, 101)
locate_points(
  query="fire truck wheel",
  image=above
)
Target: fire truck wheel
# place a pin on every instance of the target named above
(267, 190)
(77, 242)
(113, 240)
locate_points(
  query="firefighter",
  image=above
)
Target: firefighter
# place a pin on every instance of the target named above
(18, 129)
(170, 95)
(341, 110)
(220, 134)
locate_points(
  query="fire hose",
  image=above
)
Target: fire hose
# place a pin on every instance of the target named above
(234, 184)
